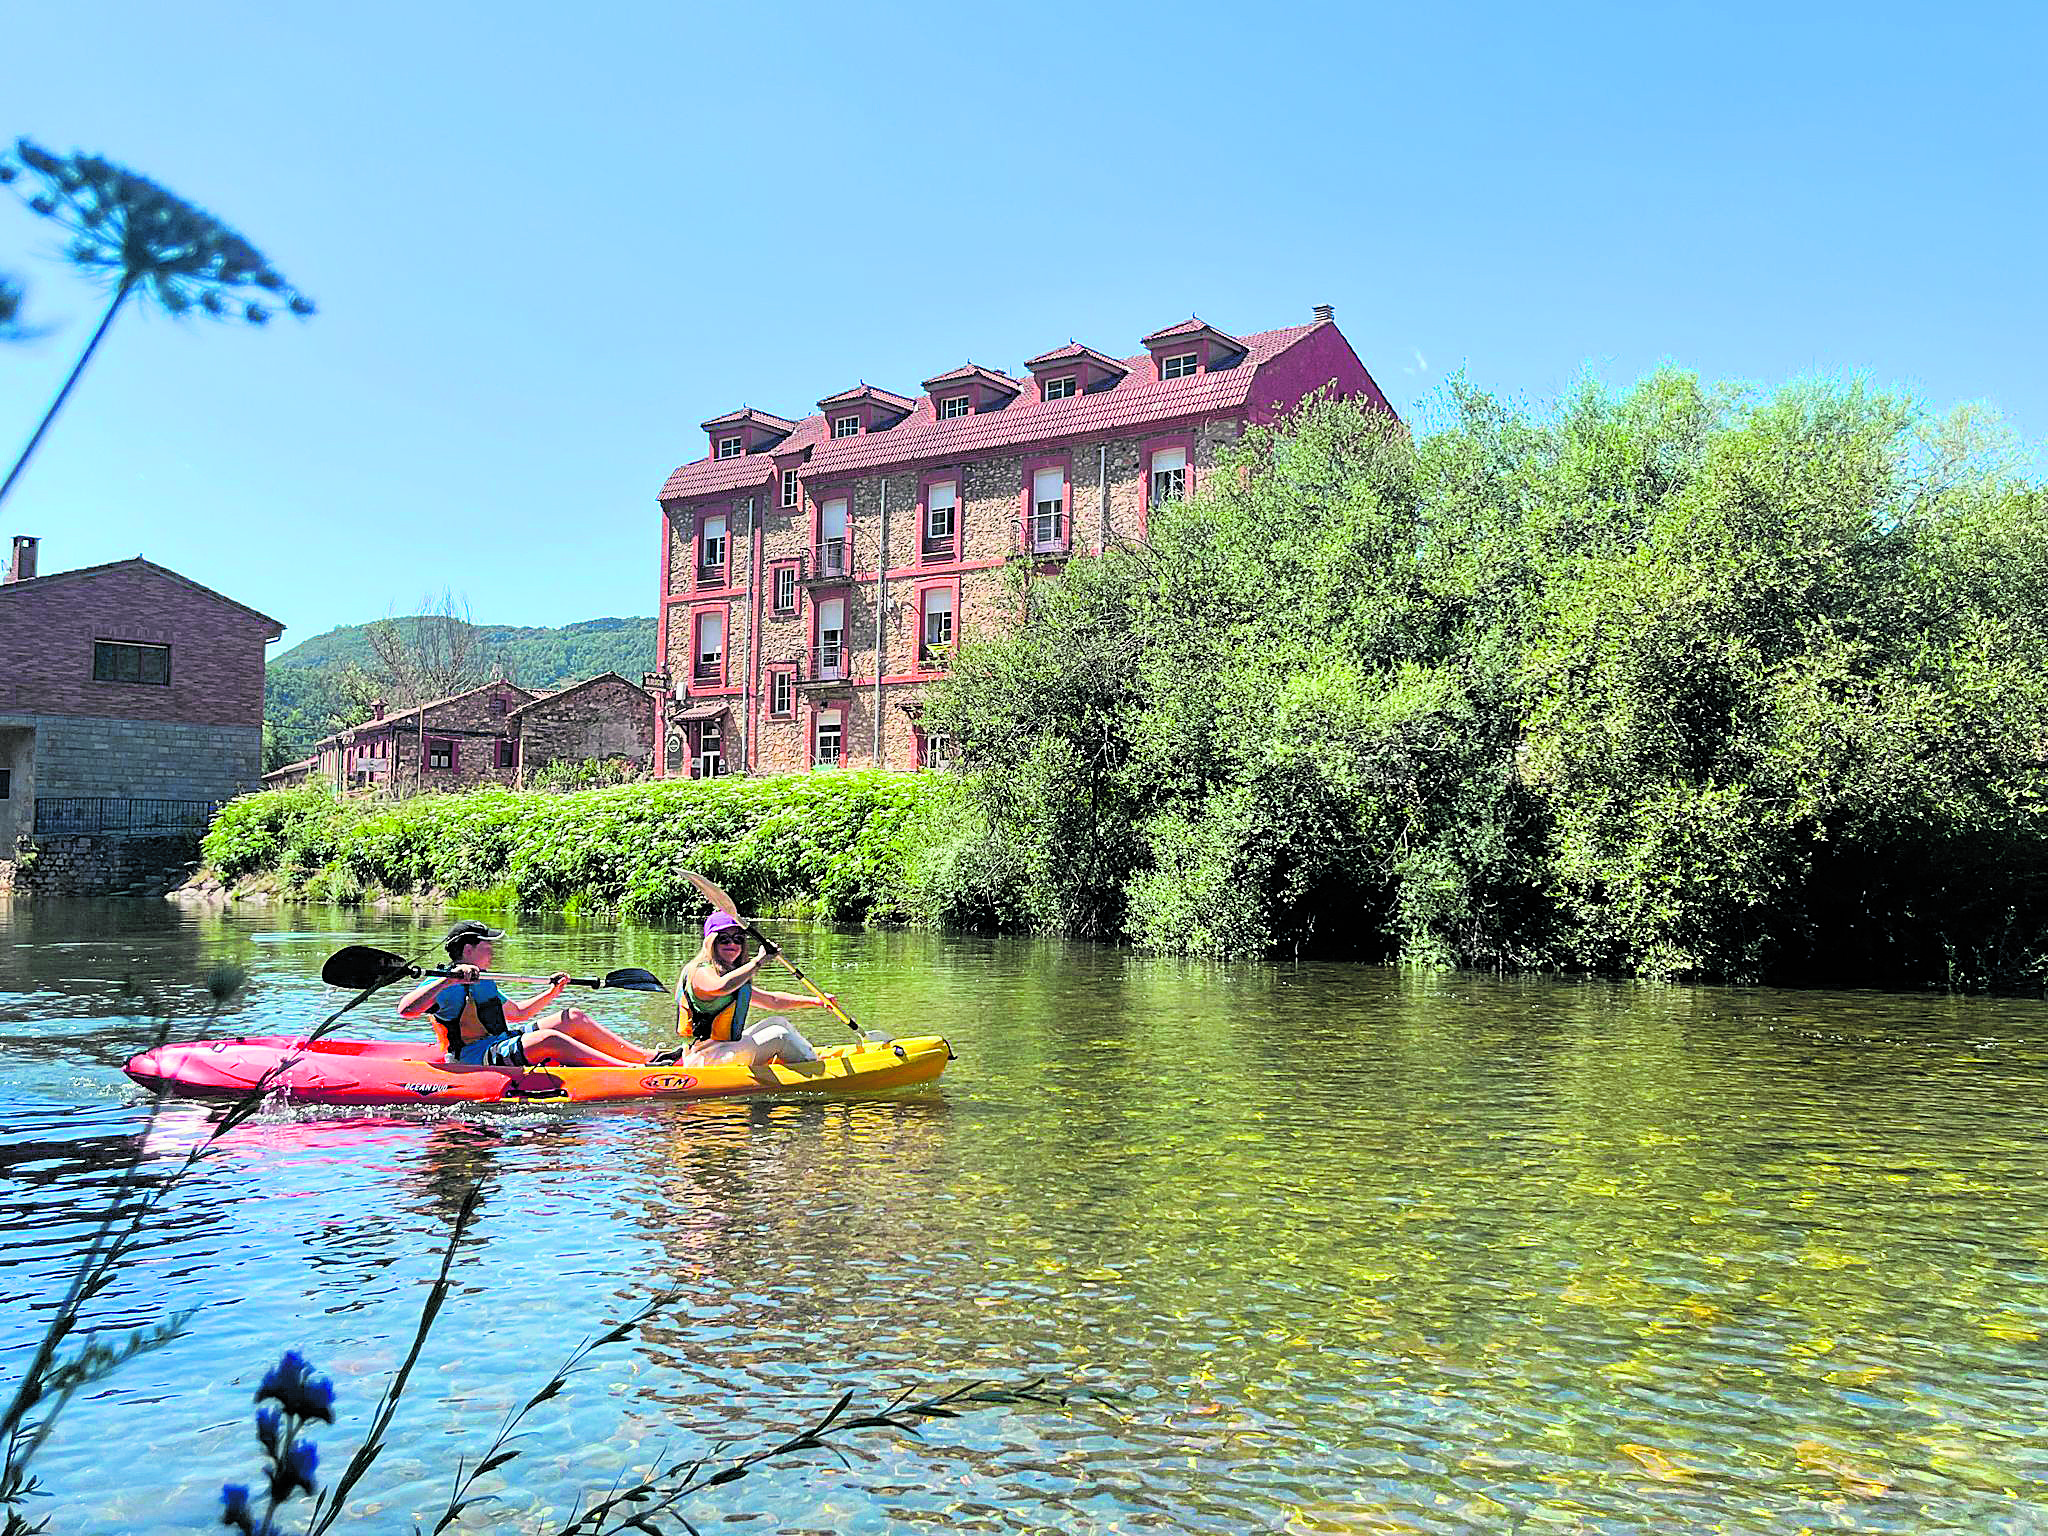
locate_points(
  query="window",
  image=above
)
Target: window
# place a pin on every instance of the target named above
(440, 754)
(832, 638)
(6, 783)
(1169, 475)
(937, 751)
(711, 552)
(952, 407)
(940, 503)
(710, 648)
(785, 589)
(782, 693)
(789, 487)
(1048, 509)
(846, 426)
(832, 538)
(710, 763)
(1059, 389)
(938, 624)
(508, 754)
(1177, 367)
(116, 661)
(728, 447)
(826, 742)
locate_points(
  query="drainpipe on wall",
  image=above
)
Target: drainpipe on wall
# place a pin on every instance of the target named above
(1102, 484)
(753, 630)
(881, 608)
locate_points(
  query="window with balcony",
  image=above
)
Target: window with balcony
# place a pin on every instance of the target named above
(789, 487)
(710, 662)
(711, 552)
(846, 426)
(952, 407)
(1048, 510)
(935, 640)
(782, 694)
(1061, 388)
(117, 661)
(831, 559)
(729, 447)
(1169, 475)
(1180, 366)
(832, 639)
(941, 508)
(827, 740)
(785, 589)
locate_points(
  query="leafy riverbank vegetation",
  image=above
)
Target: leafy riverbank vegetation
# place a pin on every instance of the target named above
(1684, 681)
(841, 846)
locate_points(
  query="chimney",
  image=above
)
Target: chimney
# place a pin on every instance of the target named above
(23, 566)
(1325, 314)
(377, 709)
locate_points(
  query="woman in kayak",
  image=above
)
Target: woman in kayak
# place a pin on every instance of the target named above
(477, 1022)
(716, 993)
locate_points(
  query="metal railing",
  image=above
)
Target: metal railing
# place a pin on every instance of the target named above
(1048, 533)
(118, 816)
(710, 577)
(828, 662)
(831, 560)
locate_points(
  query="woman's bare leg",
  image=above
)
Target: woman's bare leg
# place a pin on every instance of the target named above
(580, 1026)
(549, 1046)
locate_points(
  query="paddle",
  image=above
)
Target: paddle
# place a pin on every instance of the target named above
(725, 904)
(360, 968)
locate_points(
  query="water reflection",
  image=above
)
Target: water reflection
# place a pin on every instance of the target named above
(1354, 1250)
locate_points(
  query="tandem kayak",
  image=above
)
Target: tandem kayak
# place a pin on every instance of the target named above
(408, 1072)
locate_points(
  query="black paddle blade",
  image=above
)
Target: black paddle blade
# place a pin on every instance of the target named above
(633, 979)
(359, 968)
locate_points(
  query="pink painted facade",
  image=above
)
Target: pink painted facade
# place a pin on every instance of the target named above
(1113, 430)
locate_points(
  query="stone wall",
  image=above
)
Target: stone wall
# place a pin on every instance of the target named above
(602, 718)
(101, 866)
(140, 759)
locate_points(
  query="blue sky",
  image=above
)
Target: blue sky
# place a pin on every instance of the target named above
(547, 243)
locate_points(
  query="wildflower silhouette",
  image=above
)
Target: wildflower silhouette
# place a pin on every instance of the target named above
(141, 238)
(289, 1398)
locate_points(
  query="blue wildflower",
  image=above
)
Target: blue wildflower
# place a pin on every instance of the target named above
(269, 1421)
(301, 1461)
(234, 1510)
(292, 1385)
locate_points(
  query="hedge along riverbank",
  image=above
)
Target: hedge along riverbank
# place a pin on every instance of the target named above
(842, 846)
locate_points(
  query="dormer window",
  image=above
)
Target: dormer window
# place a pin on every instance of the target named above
(846, 426)
(969, 390)
(745, 431)
(863, 409)
(1181, 365)
(1061, 388)
(1194, 346)
(1073, 370)
(731, 447)
(953, 407)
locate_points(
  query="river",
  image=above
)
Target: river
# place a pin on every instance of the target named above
(1341, 1249)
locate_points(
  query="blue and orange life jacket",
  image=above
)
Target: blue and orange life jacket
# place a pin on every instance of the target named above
(472, 1019)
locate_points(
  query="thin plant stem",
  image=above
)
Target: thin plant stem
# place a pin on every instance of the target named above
(121, 293)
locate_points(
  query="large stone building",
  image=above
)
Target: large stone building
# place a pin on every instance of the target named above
(498, 733)
(131, 699)
(816, 572)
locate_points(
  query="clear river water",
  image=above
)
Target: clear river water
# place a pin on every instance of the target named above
(1342, 1249)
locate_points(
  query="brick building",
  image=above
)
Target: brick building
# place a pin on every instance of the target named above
(816, 572)
(131, 699)
(498, 733)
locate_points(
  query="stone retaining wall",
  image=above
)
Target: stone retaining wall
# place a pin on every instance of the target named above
(100, 866)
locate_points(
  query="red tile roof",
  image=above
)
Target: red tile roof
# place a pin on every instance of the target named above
(748, 413)
(1073, 352)
(968, 371)
(1138, 399)
(865, 391)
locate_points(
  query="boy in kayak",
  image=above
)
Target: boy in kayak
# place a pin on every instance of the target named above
(477, 1022)
(716, 993)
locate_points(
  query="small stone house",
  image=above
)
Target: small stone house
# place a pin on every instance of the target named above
(498, 733)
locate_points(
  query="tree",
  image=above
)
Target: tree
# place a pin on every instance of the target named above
(139, 238)
(431, 654)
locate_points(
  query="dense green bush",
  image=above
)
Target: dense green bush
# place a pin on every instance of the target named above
(1679, 681)
(843, 845)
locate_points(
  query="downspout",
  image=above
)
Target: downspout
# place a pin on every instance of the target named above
(1102, 483)
(753, 637)
(661, 654)
(881, 609)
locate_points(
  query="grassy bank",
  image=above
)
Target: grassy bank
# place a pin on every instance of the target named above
(843, 846)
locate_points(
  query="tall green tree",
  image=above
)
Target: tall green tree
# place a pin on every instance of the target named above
(141, 241)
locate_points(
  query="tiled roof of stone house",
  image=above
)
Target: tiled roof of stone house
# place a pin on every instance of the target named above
(45, 582)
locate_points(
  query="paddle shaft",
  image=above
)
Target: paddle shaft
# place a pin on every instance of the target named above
(539, 981)
(797, 971)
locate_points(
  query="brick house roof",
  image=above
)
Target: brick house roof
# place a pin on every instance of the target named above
(563, 693)
(1140, 398)
(378, 724)
(44, 583)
